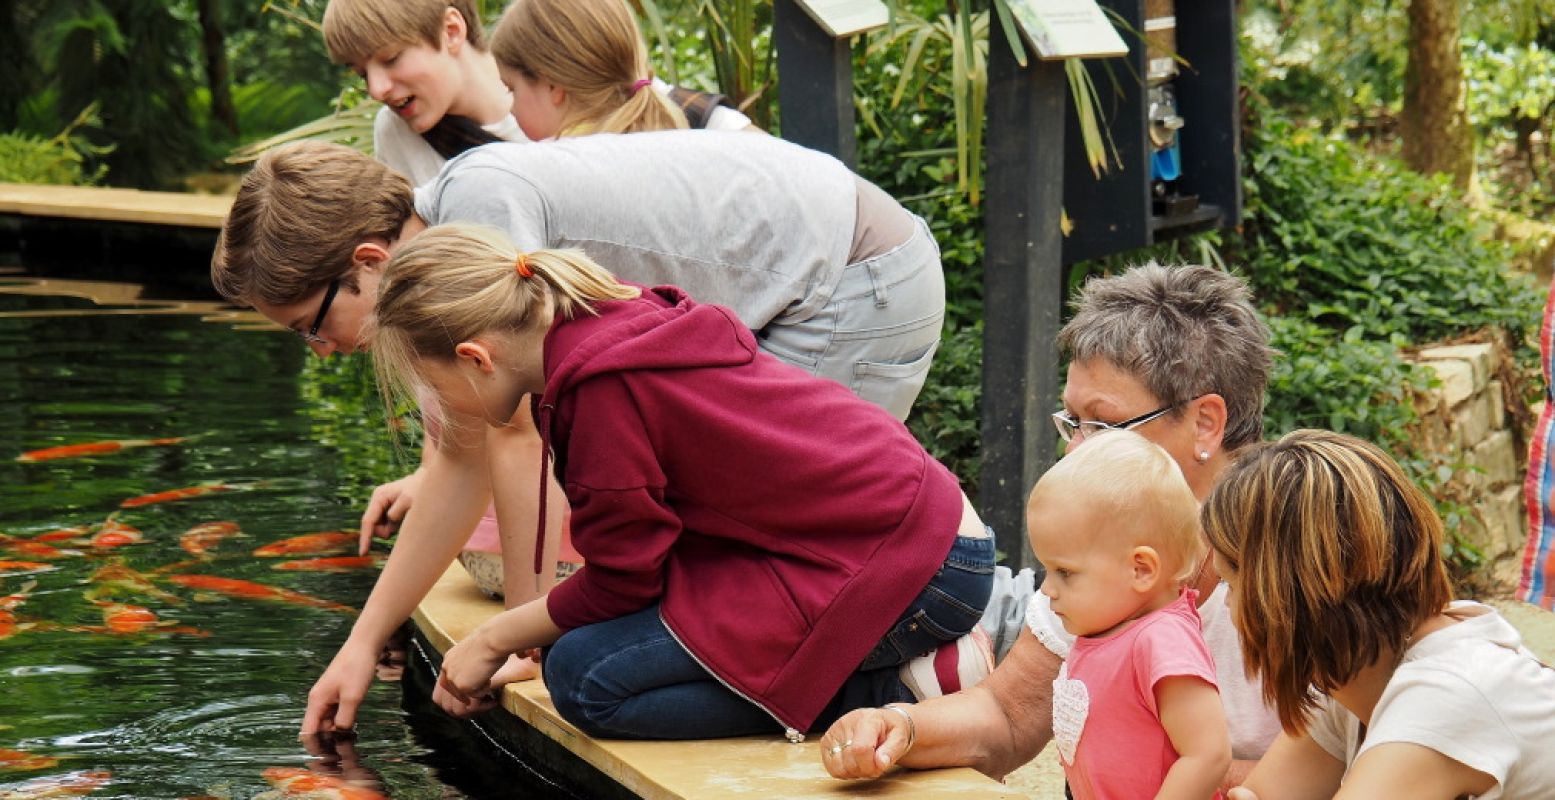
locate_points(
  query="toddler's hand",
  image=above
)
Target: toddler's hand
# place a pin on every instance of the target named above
(1240, 793)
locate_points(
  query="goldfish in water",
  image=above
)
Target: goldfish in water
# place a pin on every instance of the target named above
(176, 494)
(63, 534)
(298, 782)
(336, 564)
(310, 544)
(18, 761)
(19, 567)
(27, 547)
(115, 534)
(71, 784)
(8, 624)
(123, 618)
(115, 579)
(93, 448)
(234, 587)
(199, 540)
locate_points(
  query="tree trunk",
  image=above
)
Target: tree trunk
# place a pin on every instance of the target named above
(214, 43)
(1435, 122)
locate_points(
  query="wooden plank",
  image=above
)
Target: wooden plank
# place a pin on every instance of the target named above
(765, 767)
(117, 205)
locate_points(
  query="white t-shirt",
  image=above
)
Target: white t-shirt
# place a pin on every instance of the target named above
(399, 146)
(1471, 692)
(1252, 724)
(396, 144)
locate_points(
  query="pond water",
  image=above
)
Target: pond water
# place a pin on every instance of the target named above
(126, 665)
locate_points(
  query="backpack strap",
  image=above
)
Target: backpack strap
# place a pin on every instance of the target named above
(697, 106)
(454, 134)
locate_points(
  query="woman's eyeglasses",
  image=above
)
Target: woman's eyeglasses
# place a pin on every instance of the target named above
(1070, 428)
(311, 335)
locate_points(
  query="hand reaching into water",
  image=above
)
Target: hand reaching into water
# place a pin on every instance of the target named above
(338, 693)
(388, 505)
(865, 743)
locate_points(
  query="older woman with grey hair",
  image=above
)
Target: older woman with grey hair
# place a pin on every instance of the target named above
(1178, 355)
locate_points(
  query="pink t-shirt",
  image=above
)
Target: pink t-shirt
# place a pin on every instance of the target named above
(1105, 722)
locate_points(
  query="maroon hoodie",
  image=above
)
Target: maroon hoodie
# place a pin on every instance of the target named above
(782, 523)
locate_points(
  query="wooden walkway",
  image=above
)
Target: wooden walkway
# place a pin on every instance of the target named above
(118, 205)
(756, 767)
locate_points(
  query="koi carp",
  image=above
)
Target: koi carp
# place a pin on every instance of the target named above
(63, 534)
(299, 782)
(336, 564)
(201, 539)
(18, 761)
(123, 618)
(172, 495)
(115, 534)
(115, 578)
(27, 547)
(309, 544)
(20, 567)
(234, 587)
(9, 626)
(94, 448)
(73, 784)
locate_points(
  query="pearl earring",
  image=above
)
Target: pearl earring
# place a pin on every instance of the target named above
(1203, 456)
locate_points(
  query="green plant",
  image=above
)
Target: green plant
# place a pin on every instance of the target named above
(65, 159)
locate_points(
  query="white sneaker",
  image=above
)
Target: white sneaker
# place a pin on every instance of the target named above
(952, 667)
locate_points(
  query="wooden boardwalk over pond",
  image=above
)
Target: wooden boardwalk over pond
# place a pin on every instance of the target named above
(755, 767)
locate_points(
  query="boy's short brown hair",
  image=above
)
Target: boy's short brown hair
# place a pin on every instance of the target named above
(297, 217)
(355, 29)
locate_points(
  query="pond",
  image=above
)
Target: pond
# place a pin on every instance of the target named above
(133, 663)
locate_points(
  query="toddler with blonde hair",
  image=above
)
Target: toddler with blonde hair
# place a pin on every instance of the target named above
(1136, 711)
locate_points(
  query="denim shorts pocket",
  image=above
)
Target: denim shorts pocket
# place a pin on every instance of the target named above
(916, 634)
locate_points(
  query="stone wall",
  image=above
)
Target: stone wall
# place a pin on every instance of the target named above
(1466, 422)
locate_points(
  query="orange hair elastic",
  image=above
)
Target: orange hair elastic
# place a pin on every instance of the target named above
(522, 265)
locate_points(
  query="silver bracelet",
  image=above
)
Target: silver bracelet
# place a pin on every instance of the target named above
(912, 727)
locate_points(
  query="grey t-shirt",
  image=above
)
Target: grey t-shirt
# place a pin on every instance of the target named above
(751, 222)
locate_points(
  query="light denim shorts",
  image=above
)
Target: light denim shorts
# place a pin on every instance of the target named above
(878, 334)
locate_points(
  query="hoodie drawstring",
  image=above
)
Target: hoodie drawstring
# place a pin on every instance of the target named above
(542, 424)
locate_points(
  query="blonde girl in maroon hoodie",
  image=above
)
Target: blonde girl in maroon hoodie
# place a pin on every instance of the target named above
(763, 550)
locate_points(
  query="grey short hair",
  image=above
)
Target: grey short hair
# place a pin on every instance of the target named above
(1182, 331)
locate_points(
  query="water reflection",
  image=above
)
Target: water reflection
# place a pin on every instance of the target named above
(147, 665)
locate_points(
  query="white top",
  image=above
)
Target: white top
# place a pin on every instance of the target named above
(399, 146)
(396, 144)
(1252, 724)
(1471, 692)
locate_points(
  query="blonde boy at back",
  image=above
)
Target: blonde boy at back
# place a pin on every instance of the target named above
(1136, 712)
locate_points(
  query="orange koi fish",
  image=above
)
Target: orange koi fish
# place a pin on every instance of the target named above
(123, 618)
(19, 567)
(234, 587)
(93, 448)
(310, 544)
(18, 761)
(298, 782)
(71, 784)
(9, 627)
(116, 578)
(199, 540)
(176, 494)
(27, 547)
(63, 534)
(115, 534)
(336, 564)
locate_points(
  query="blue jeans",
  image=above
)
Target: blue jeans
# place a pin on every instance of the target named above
(628, 678)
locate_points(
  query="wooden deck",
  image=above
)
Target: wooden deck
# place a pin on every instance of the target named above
(755, 767)
(118, 205)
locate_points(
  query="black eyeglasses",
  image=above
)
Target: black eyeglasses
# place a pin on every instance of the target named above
(311, 335)
(1070, 428)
